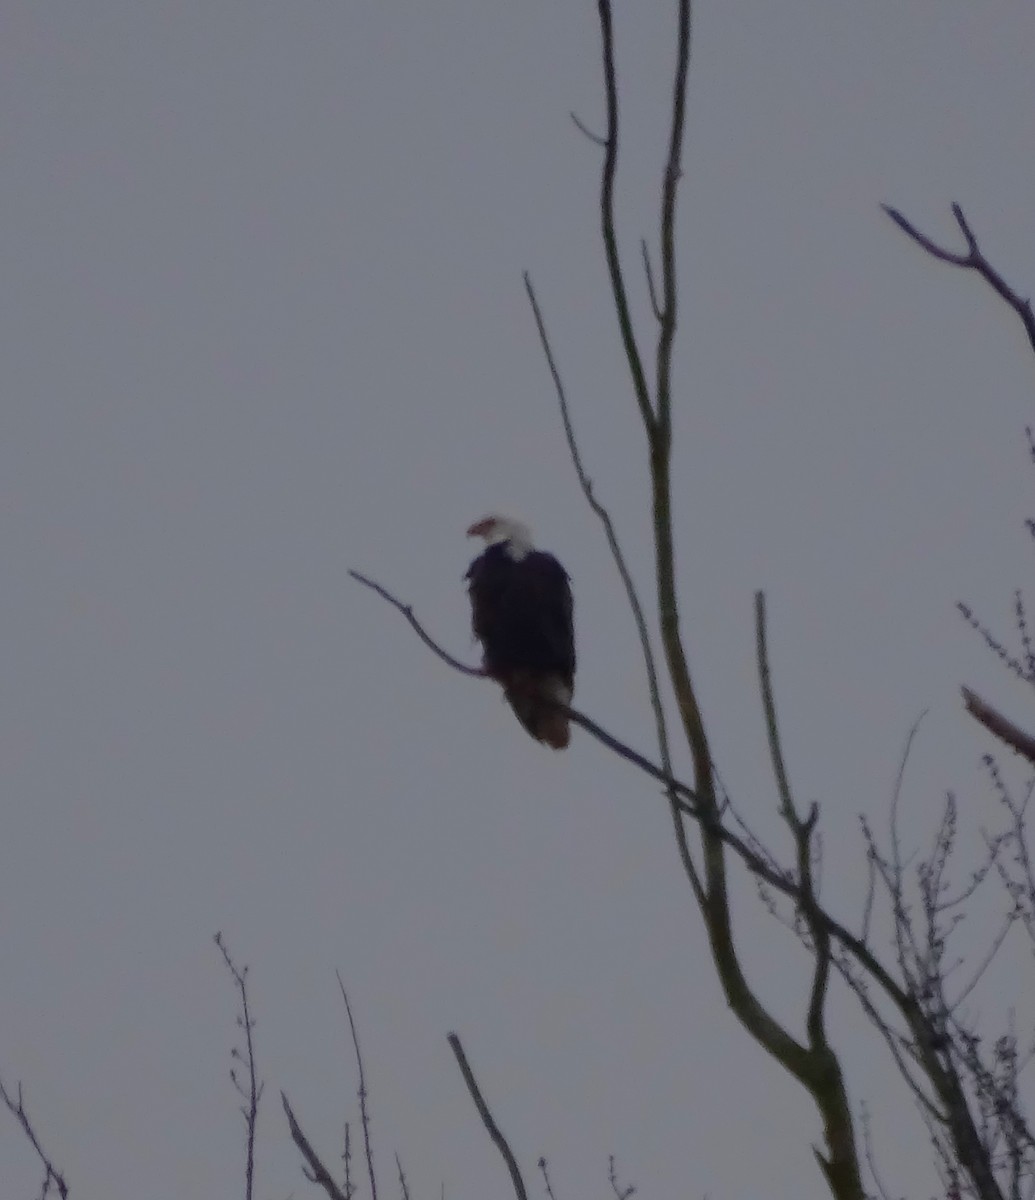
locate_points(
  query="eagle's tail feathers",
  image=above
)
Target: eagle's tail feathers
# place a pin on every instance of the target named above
(530, 696)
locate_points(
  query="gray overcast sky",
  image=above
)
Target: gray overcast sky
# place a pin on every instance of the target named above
(262, 321)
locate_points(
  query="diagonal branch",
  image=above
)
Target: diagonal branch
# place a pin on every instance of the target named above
(415, 625)
(315, 1171)
(994, 721)
(493, 1130)
(973, 260)
(576, 717)
(690, 805)
(51, 1174)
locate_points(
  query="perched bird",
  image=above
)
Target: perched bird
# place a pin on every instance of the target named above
(522, 613)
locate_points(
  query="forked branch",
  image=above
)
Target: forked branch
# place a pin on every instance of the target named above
(973, 260)
(314, 1170)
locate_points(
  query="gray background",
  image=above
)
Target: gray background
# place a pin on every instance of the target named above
(263, 321)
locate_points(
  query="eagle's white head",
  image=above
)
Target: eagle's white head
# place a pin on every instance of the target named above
(495, 529)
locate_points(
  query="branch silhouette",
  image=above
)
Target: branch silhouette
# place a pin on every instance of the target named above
(407, 612)
(781, 880)
(973, 260)
(1002, 727)
(688, 803)
(493, 1130)
(52, 1176)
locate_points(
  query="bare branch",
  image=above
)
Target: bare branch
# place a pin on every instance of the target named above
(52, 1176)
(1005, 730)
(403, 1186)
(493, 1130)
(689, 804)
(362, 1093)
(669, 193)
(985, 963)
(657, 423)
(871, 1161)
(621, 1193)
(783, 786)
(251, 1094)
(591, 727)
(317, 1172)
(593, 137)
(648, 271)
(544, 1171)
(821, 1072)
(871, 882)
(801, 830)
(1010, 661)
(973, 260)
(617, 555)
(607, 220)
(407, 612)
(346, 1159)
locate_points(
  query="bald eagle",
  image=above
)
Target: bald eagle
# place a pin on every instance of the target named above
(522, 613)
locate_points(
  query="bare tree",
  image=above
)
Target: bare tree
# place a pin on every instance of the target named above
(969, 1096)
(907, 976)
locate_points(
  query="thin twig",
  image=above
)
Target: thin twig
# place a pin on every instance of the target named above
(544, 1171)
(648, 271)
(593, 137)
(578, 718)
(783, 786)
(621, 1193)
(347, 1160)
(985, 963)
(871, 883)
(407, 612)
(403, 1186)
(871, 1160)
(253, 1093)
(362, 1092)
(493, 1130)
(51, 1174)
